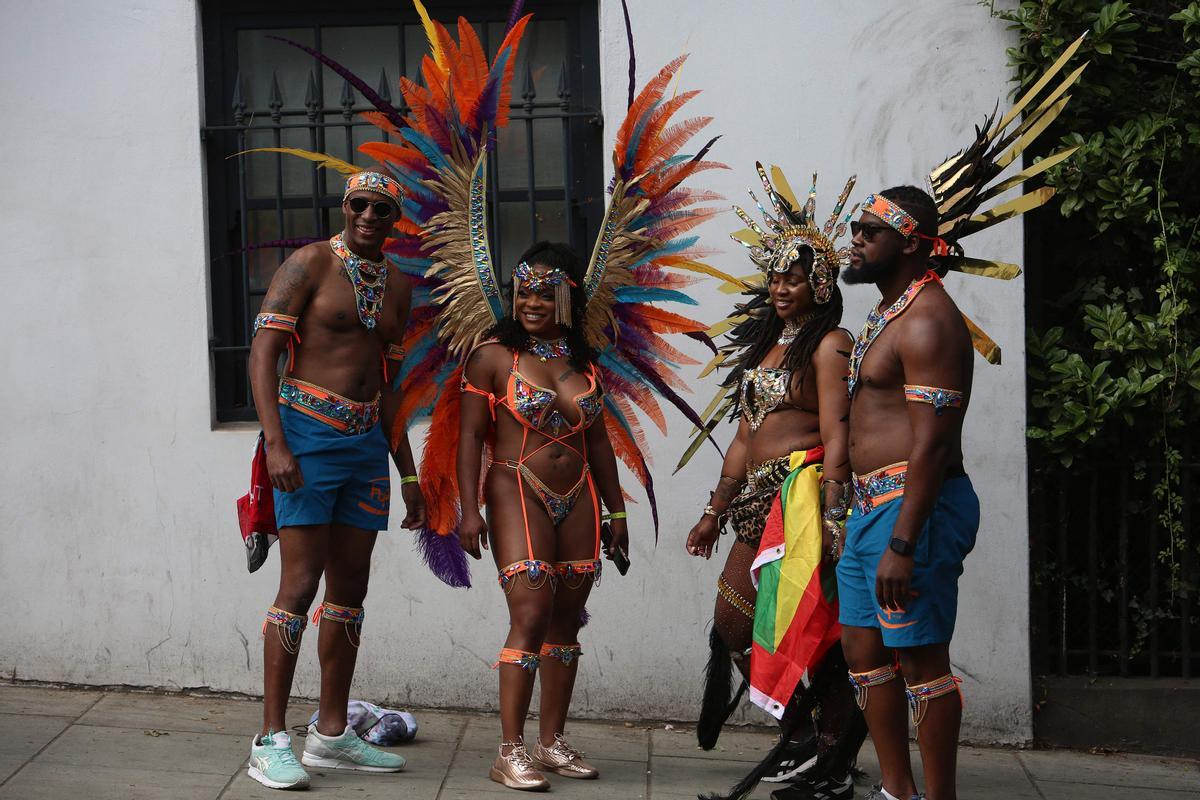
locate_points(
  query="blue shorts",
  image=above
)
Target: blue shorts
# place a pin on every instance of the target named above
(346, 476)
(948, 535)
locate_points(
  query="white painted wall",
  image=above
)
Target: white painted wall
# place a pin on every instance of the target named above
(119, 557)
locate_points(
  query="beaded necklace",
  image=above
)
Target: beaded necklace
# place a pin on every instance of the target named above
(369, 279)
(877, 320)
(793, 327)
(546, 350)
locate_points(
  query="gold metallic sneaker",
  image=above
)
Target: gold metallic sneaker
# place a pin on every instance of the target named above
(516, 770)
(562, 759)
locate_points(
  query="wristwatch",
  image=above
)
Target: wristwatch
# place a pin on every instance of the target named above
(901, 547)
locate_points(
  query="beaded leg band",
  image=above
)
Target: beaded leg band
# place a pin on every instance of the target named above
(863, 681)
(351, 618)
(289, 626)
(537, 574)
(734, 597)
(920, 695)
(568, 654)
(573, 574)
(522, 658)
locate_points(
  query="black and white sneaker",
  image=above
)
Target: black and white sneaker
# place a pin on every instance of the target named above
(823, 788)
(796, 759)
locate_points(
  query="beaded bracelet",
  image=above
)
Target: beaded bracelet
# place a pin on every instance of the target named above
(409, 479)
(615, 515)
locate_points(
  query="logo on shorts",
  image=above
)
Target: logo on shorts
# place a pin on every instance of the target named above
(887, 623)
(378, 496)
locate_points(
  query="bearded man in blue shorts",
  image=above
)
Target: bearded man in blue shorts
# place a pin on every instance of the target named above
(916, 513)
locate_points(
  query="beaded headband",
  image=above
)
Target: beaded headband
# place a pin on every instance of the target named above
(537, 282)
(373, 182)
(892, 215)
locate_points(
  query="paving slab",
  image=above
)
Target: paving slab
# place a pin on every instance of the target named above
(1145, 772)
(10, 764)
(22, 736)
(991, 775)
(44, 781)
(41, 701)
(1055, 790)
(734, 745)
(687, 777)
(343, 784)
(88, 746)
(185, 713)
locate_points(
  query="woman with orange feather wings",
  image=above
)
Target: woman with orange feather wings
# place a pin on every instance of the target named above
(551, 385)
(589, 334)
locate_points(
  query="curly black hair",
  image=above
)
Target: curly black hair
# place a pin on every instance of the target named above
(552, 255)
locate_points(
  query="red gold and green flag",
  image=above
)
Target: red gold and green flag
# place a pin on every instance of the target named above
(795, 615)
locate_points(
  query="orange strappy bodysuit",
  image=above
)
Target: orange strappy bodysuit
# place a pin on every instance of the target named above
(533, 407)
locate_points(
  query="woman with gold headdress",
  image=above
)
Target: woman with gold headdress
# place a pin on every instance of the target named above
(784, 491)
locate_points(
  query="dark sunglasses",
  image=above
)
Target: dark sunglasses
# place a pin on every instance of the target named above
(867, 230)
(383, 209)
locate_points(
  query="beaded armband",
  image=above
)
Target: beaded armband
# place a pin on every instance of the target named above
(940, 399)
(278, 322)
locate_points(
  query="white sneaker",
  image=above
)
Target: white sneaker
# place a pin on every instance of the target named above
(347, 752)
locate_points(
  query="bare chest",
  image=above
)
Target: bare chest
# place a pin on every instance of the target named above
(336, 308)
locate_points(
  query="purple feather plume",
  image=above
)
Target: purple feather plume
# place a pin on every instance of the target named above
(584, 617)
(514, 14)
(632, 58)
(445, 557)
(371, 96)
(703, 338)
(293, 243)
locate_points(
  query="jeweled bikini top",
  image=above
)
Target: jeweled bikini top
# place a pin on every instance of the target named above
(763, 390)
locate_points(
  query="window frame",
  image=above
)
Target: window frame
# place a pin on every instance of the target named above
(231, 299)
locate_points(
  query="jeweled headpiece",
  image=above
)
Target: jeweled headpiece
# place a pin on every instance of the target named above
(373, 182)
(524, 276)
(794, 227)
(890, 213)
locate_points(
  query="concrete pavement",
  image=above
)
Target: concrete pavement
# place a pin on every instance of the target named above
(84, 744)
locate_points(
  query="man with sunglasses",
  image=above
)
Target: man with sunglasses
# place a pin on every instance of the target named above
(916, 513)
(339, 312)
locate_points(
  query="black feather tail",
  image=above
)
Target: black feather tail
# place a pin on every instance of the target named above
(715, 708)
(746, 785)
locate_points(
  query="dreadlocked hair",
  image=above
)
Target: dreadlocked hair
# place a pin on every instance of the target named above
(552, 255)
(755, 337)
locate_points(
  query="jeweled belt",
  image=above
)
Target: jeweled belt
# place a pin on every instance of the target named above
(341, 413)
(878, 487)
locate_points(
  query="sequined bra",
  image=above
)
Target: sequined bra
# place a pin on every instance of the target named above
(533, 405)
(762, 390)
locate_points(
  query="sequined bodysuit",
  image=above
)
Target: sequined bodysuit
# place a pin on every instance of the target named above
(533, 407)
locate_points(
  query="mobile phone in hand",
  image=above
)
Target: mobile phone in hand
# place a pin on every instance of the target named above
(619, 558)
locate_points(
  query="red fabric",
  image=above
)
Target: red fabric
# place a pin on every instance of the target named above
(256, 508)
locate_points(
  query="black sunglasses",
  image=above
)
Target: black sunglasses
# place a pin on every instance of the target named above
(867, 230)
(383, 209)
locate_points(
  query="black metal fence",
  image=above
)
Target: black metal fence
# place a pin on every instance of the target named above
(547, 172)
(1112, 593)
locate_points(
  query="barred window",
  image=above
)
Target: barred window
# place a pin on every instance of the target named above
(260, 92)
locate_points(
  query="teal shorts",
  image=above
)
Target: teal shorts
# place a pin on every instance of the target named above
(948, 535)
(347, 478)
